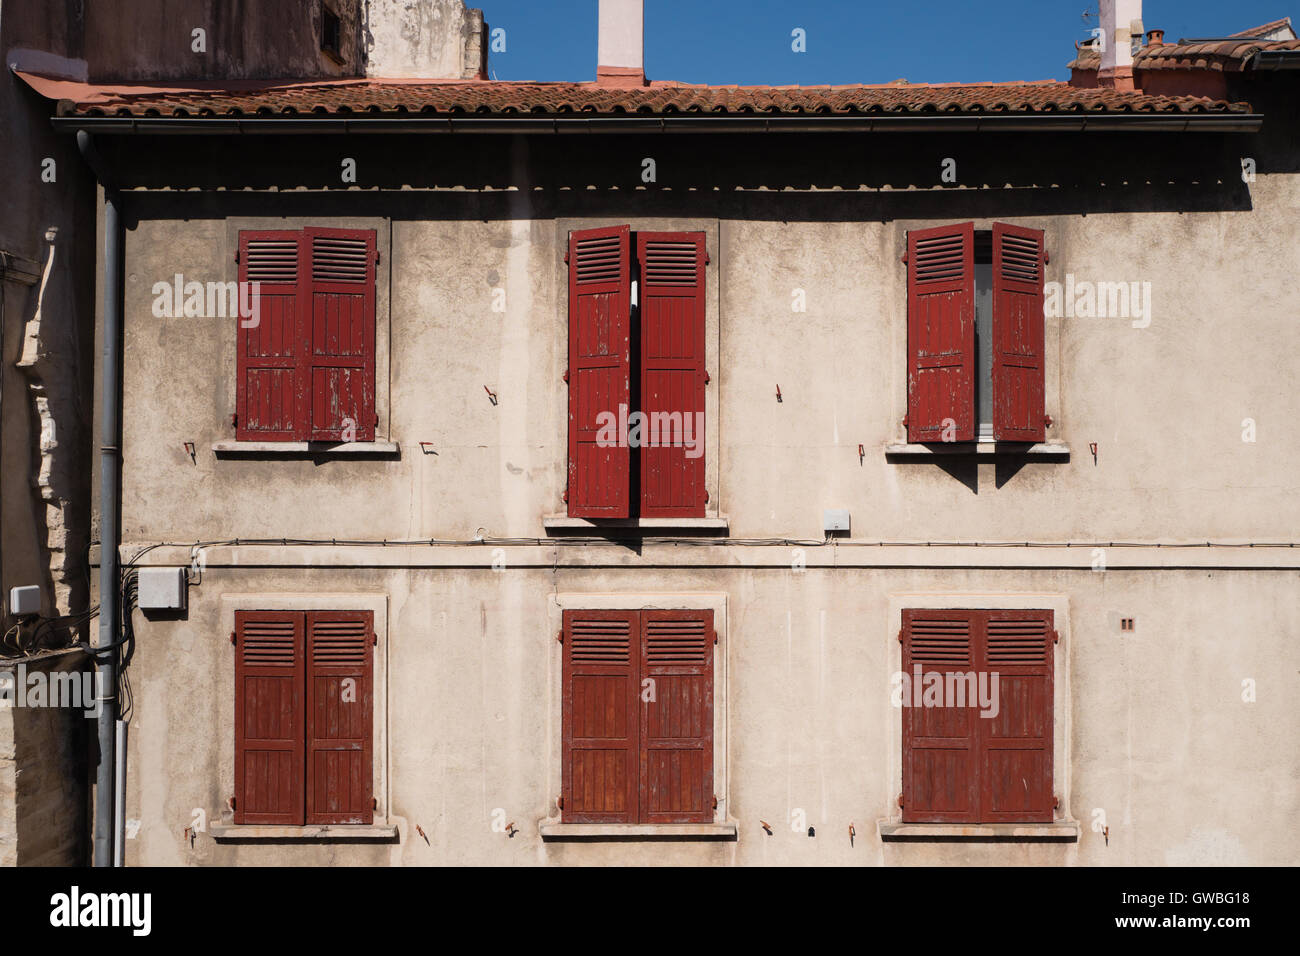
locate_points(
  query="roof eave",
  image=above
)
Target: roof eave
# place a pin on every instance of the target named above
(1221, 122)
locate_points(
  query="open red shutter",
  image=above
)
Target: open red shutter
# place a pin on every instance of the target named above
(941, 334)
(676, 703)
(672, 373)
(939, 743)
(600, 369)
(272, 370)
(342, 334)
(268, 717)
(1018, 267)
(600, 699)
(1016, 744)
(340, 705)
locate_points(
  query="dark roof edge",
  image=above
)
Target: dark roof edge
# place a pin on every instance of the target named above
(1036, 122)
(1275, 60)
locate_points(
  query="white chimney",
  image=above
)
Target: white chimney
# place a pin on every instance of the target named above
(620, 59)
(1121, 21)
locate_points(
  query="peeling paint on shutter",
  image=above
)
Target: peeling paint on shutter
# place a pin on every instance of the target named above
(600, 368)
(941, 333)
(340, 708)
(601, 688)
(272, 369)
(342, 334)
(671, 318)
(269, 717)
(677, 722)
(1018, 265)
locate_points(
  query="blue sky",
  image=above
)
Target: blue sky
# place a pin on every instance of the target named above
(848, 41)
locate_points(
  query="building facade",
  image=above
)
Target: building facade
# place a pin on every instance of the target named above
(967, 390)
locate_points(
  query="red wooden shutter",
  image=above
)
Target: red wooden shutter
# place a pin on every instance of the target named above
(272, 365)
(342, 334)
(1018, 267)
(601, 689)
(941, 333)
(340, 705)
(269, 717)
(600, 368)
(940, 747)
(676, 705)
(1016, 745)
(672, 372)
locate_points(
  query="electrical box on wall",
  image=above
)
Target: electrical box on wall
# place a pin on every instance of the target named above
(162, 589)
(835, 519)
(25, 601)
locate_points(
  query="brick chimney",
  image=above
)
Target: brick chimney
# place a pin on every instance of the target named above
(1121, 20)
(1155, 37)
(620, 59)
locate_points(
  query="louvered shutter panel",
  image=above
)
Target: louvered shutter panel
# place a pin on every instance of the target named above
(941, 333)
(672, 372)
(940, 747)
(272, 365)
(677, 722)
(269, 718)
(1016, 744)
(340, 705)
(1018, 267)
(342, 332)
(600, 368)
(601, 689)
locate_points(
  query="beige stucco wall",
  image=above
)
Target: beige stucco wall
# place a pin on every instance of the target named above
(1152, 729)
(1151, 725)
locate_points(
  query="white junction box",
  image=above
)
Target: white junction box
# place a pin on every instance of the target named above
(162, 589)
(25, 601)
(835, 519)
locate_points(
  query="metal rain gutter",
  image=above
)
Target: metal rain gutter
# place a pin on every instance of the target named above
(604, 123)
(106, 836)
(1275, 60)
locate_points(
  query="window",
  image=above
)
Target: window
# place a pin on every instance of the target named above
(329, 33)
(975, 334)
(977, 735)
(637, 716)
(303, 713)
(306, 360)
(636, 374)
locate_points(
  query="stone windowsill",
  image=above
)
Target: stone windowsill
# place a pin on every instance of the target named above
(353, 449)
(1049, 450)
(377, 833)
(719, 524)
(1064, 831)
(590, 832)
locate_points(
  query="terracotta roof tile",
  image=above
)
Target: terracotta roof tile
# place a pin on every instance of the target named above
(1230, 55)
(397, 97)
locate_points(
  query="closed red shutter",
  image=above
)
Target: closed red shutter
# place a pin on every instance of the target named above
(342, 334)
(1016, 744)
(941, 334)
(940, 753)
(1018, 267)
(269, 718)
(272, 365)
(672, 308)
(601, 688)
(340, 702)
(676, 705)
(600, 369)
